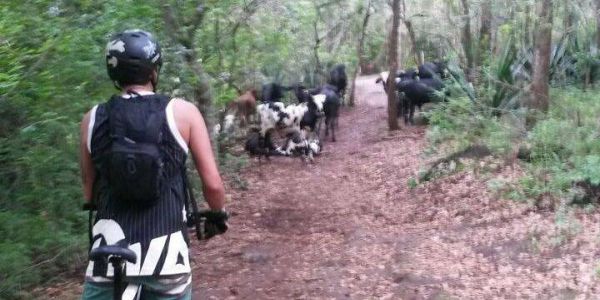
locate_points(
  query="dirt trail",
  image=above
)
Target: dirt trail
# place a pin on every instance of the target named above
(349, 227)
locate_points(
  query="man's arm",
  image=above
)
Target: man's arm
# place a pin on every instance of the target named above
(88, 173)
(199, 142)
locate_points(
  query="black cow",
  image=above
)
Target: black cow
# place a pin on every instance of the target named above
(260, 146)
(410, 73)
(316, 108)
(273, 92)
(415, 93)
(433, 70)
(301, 93)
(338, 78)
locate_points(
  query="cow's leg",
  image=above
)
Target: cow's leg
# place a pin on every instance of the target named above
(405, 110)
(412, 114)
(333, 129)
(318, 131)
(268, 144)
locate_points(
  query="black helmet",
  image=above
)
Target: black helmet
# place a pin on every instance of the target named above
(131, 57)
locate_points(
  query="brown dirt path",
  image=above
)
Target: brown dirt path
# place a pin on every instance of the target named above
(348, 227)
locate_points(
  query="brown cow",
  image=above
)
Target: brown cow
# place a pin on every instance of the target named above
(244, 106)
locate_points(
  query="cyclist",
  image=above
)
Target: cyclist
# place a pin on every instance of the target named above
(133, 152)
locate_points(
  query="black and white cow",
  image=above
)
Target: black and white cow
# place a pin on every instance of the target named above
(331, 107)
(291, 120)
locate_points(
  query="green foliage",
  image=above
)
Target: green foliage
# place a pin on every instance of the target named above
(563, 148)
(500, 91)
(461, 122)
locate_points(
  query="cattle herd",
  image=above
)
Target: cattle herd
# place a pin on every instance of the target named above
(299, 124)
(417, 86)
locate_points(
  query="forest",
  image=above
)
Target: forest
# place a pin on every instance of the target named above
(497, 180)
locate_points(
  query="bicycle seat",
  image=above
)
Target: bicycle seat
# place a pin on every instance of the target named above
(104, 252)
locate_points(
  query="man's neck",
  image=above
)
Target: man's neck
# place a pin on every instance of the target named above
(141, 89)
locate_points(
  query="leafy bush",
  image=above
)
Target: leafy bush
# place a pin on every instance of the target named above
(462, 123)
(563, 147)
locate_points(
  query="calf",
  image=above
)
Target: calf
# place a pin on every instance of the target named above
(244, 107)
(273, 92)
(260, 146)
(415, 93)
(299, 144)
(338, 78)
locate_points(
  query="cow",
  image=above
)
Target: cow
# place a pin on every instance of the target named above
(301, 117)
(244, 107)
(410, 73)
(436, 69)
(338, 78)
(298, 143)
(415, 93)
(273, 92)
(301, 93)
(407, 74)
(331, 107)
(260, 146)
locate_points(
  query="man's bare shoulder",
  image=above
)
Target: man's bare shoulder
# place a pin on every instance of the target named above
(180, 103)
(86, 119)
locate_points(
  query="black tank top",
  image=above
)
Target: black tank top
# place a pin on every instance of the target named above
(157, 234)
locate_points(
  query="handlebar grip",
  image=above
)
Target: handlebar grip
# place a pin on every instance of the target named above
(89, 206)
(208, 223)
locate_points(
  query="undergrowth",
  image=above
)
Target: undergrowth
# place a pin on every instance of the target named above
(560, 154)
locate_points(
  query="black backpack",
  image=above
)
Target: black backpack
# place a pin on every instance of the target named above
(134, 162)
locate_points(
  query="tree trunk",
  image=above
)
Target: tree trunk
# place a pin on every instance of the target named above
(539, 98)
(413, 42)
(467, 40)
(393, 66)
(411, 34)
(485, 33)
(597, 23)
(526, 30)
(360, 53)
(568, 17)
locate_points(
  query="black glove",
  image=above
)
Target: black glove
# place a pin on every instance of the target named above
(211, 222)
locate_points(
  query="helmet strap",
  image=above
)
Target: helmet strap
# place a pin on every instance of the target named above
(154, 81)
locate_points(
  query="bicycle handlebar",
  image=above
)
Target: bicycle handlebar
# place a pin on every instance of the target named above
(210, 222)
